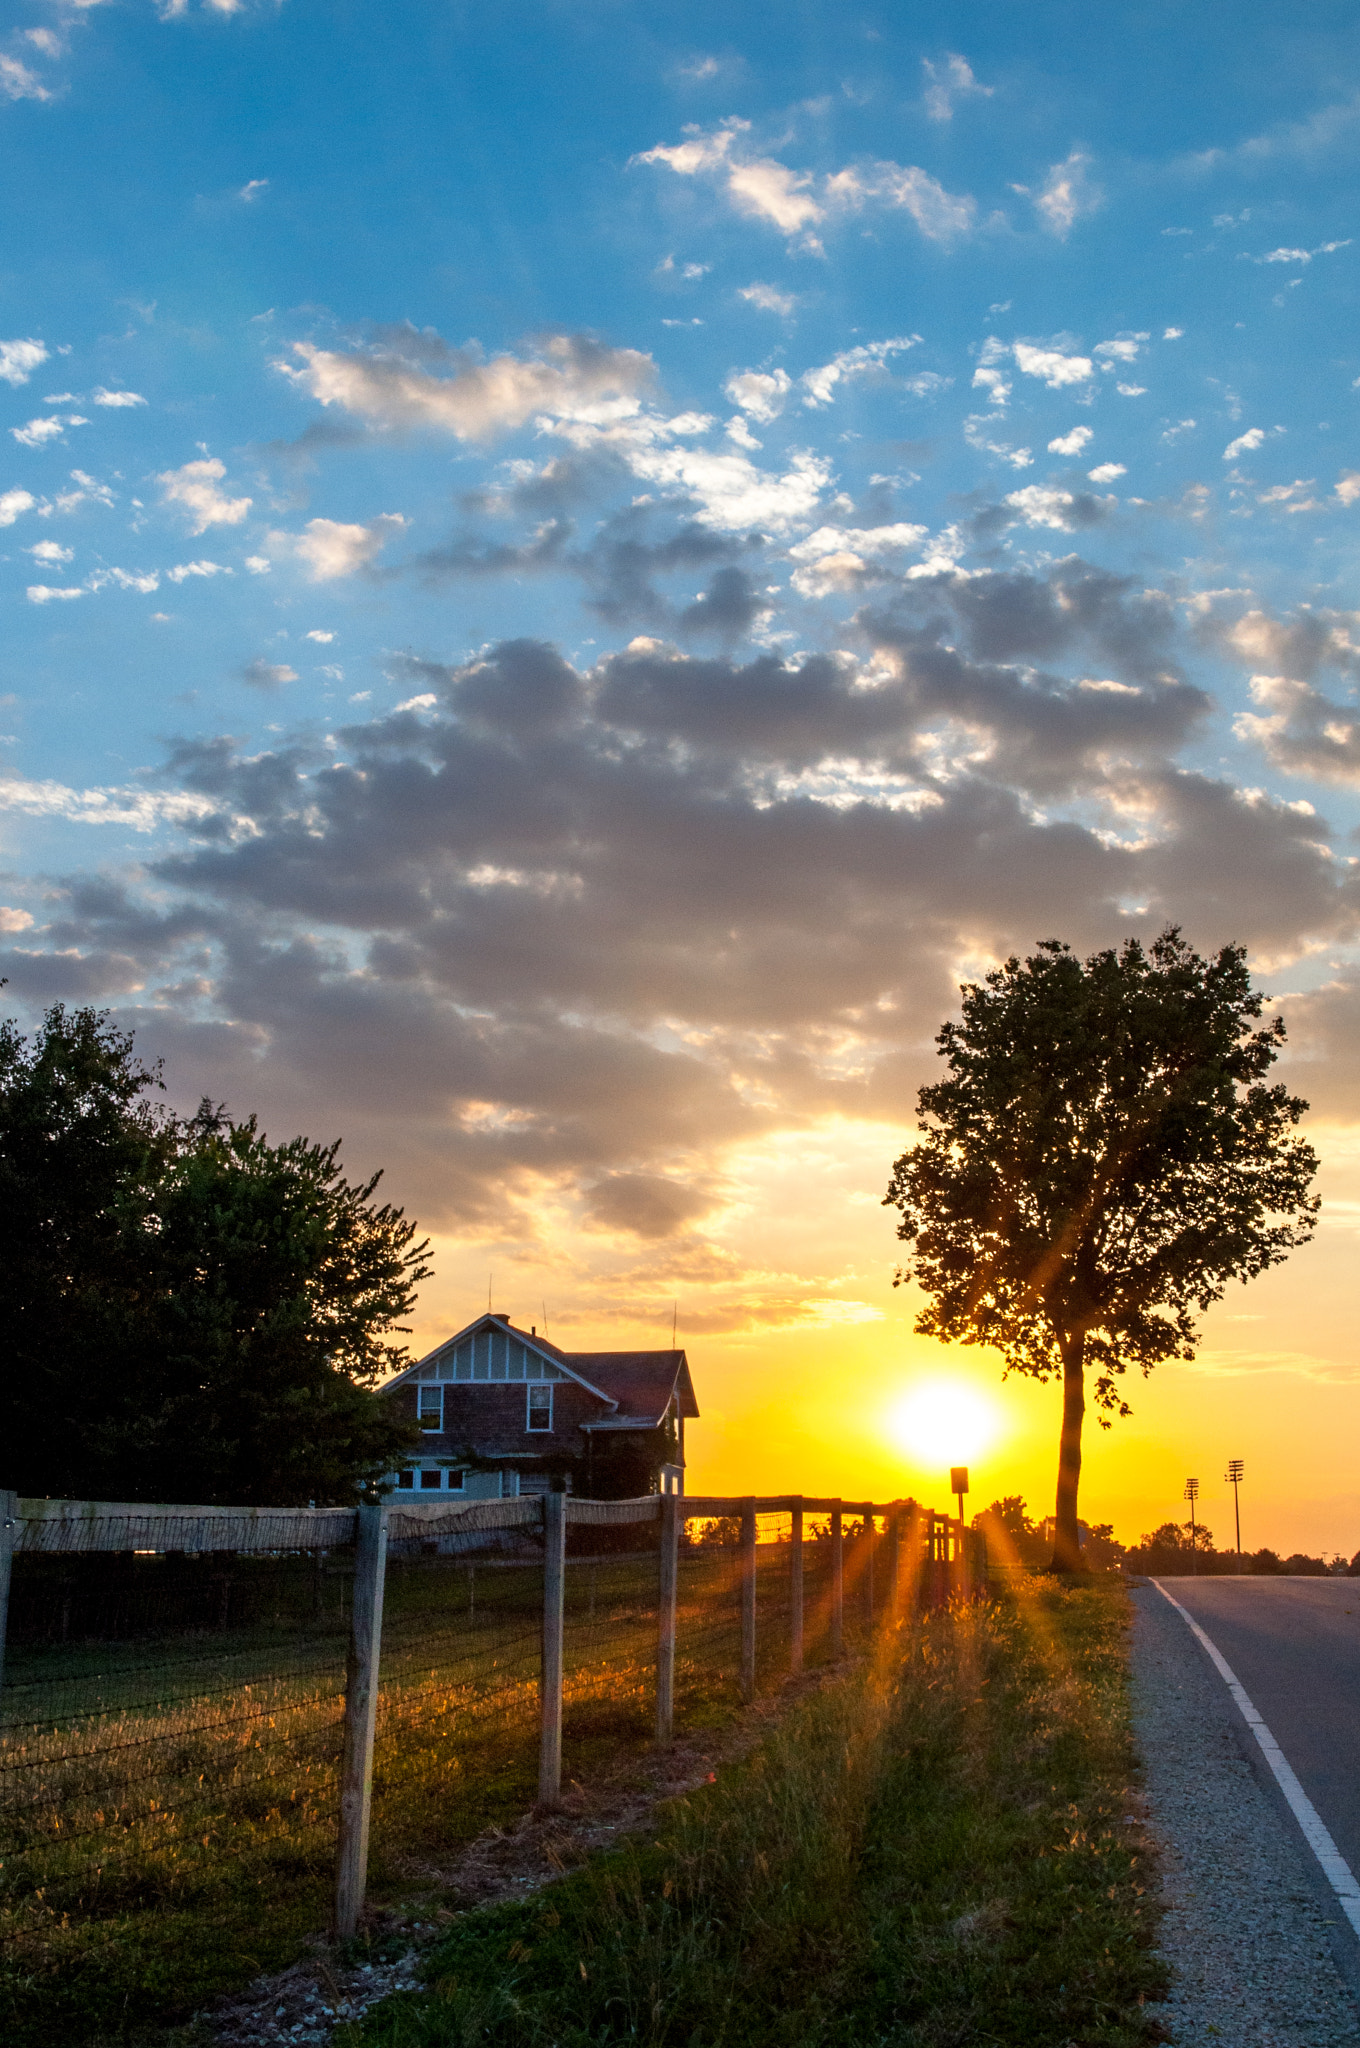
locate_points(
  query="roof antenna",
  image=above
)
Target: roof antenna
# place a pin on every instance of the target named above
(545, 1318)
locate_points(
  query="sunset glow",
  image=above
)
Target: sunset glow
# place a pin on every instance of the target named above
(946, 1422)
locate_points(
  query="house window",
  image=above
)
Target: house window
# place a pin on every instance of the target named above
(455, 1481)
(430, 1478)
(406, 1481)
(540, 1407)
(432, 1408)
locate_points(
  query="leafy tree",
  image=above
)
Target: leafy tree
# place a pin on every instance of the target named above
(189, 1311)
(1102, 1158)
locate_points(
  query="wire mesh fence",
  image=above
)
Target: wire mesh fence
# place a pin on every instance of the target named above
(182, 1733)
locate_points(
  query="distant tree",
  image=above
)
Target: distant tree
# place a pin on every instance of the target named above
(1101, 1552)
(1101, 1159)
(189, 1312)
(1010, 1533)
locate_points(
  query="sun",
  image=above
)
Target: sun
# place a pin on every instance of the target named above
(945, 1422)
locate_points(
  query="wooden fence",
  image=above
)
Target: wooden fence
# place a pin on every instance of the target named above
(931, 1559)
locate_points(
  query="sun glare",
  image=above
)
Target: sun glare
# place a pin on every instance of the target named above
(945, 1423)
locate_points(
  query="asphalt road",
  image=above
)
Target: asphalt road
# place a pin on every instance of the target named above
(1294, 1646)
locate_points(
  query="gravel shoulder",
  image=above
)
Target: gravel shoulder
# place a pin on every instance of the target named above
(1253, 1948)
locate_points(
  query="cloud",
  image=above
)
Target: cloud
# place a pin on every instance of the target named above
(391, 387)
(645, 1205)
(1348, 486)
(268, 675)
(19, 359)
(255, 189)
(1107, 472)
(116, 398)
(324, 638)
(183, 570)
(1071, 443)
(1245, 444)
(46, 593)
(1298, 255)
(50, 551)
(949, 82)
(762, 188)
(769, 299)
(819, 385)
(17, 82)
(759, 393)
(1068, 194)
(12, 503)
(15, 920)
(143, 810)
(1056, 369)
(1041, 505)
(37, 432)
(194, 486)
(330, 548)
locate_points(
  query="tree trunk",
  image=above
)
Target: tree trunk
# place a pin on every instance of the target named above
(1066, 1548)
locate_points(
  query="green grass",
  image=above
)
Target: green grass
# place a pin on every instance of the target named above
(929, 1851)
(186, 1836)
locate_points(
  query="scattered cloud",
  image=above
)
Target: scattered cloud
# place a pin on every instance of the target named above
(182, 571)
(331, 548)
(1071, 443)
(1056, 369)
(116, 398)
(1107, 472)
(760, 393)
(46, 593)
(12, 503)
(769, 299)
(195, 487)
(19, 359)
(37, 433)
(948, 82)
(253, 190)
(268, 675)
(1068, 194)
(17, 82)
(324, 638)
(50, 551)
(1245, 444)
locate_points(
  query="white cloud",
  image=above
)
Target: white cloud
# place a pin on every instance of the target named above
(50, 551)
(1067, 194)
(1106, 472)
(1131, 390)
(769, 298)
(19, 359)
(1176, 429)
(182, 570)
(116, 398)
(1123, 350)
(17, 82)
(833, 557)
(738, 431)
(254, 190)
(820, 384)
(45, 593)
(330, 548)
(1299, 255)
(258, 565)
(1038, 505)
(12, 503)
(1172, 333)
(269, 675)
(572, 378)
(926, 384)
(940, 215)
(949, 82)
(1071, 444)
(760, 393)
(324, 638)
(732, 493)
(762, 188)
(36, 432)
(195, 486)
(142, 809)
(1056, 369)
(1244, 444)
(126, 579)
(15, 920)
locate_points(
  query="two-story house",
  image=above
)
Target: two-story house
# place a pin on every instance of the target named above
(502, 1411)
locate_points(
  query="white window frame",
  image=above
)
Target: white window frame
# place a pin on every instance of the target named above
(535, 1390)
(425, 1392)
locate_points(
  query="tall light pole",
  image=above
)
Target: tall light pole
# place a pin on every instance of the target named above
(1233, 1475)
(1192, 1495)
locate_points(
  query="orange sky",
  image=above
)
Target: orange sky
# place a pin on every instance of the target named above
(803, 1353)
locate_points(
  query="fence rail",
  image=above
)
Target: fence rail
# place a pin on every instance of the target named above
(754, 1583)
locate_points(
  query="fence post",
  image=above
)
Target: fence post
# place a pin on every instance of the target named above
(748, 1597)
(667, 1576)
(796, 1588)
(550, 1683)
(837, 1580)
(9, 1531)
(361, 1713)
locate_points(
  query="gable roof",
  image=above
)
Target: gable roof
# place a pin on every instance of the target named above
(636, 1387)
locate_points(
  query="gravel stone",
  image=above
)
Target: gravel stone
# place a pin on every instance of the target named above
(1249, 1947)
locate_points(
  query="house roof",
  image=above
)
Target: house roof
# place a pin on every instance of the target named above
(636, 1387)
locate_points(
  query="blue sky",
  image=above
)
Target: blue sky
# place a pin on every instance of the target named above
(567, 570)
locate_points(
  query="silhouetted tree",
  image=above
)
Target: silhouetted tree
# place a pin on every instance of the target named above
(1101, 1159)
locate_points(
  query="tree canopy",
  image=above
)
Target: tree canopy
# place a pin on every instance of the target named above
(190, 1312)
(1102, 1157)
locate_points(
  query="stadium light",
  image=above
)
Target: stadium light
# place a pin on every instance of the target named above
(1192, 1495)
(1233, 1475)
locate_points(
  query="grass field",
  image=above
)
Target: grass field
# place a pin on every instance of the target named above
(930, 1851)
(167, 1808)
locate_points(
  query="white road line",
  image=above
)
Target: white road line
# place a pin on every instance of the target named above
(1335, 1867)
